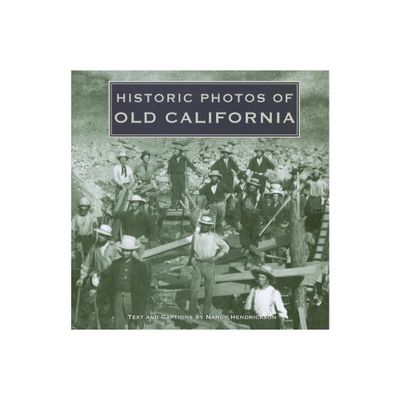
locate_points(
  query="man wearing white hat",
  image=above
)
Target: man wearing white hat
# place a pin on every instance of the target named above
(100, 255)
(207, 248)
(122, 173)
(282, 219)
(264, 302)
(127, 281)
(135, 221)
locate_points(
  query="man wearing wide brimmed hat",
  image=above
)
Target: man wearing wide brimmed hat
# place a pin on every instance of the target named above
(145, 170)
(260, 165)
(226, 166)
(281, 221)
(216, 193)
(250, 214)
(100, 256)
(127, 281)
(122, 173)
(82, 229)
(264, 302)
(136, 222)
(207, 248)
(177, 172)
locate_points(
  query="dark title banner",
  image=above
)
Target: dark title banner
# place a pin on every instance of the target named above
(236, 109)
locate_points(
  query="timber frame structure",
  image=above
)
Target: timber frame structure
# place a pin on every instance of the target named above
(232, 277)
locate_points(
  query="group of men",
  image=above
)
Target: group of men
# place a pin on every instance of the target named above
(116, 275)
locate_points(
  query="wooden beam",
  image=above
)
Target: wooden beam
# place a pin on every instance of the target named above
(167, 247)
(168, 280)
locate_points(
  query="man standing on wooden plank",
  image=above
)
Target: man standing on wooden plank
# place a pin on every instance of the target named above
(259, 165)
(127, 281)
(227, 167)
(250, 214)
(264, 302)
(207, 248)
(216, 193)
(136, 222)
(177, 169)
(122, 173)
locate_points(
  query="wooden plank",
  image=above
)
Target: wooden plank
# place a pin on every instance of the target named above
(167, 247)
(270, 244)
(278, 273)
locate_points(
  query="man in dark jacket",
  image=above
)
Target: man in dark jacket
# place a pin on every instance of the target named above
(136, 222)
(177, 167)
(215, 193)
(127, 282)
(227, 167)
(259, 165)
(250, 214)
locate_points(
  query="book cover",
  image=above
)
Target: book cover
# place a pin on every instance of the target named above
(200, 200)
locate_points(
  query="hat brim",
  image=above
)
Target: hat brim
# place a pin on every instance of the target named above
(119, 157)
(138, 200)
(206, 223)
(130, 249)
(219, 175)
(256, 272)
(103, 232)
(254, 184)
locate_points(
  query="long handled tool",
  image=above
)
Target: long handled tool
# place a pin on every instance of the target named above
(96, 312)
(284, 204)
(78, 300)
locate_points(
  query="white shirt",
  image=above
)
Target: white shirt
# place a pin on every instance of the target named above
(318, 188)
(266, 302)
(121, 179)
(206, 245)
(214, 188)
(103, 248)
(259, 161)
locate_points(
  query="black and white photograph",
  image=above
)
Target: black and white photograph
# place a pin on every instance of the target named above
(198, 231)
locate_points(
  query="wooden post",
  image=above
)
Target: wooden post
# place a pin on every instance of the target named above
(298, 255)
